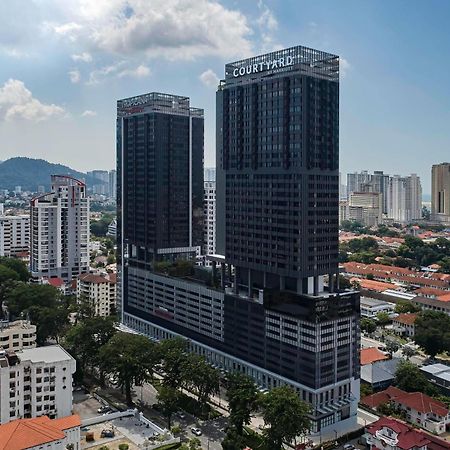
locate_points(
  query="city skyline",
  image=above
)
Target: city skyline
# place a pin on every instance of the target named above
(58, 73)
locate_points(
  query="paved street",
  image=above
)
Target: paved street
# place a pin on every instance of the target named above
(85, 405)
(212, 430)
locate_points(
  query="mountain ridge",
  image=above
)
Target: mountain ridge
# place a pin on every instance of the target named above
(29, 173)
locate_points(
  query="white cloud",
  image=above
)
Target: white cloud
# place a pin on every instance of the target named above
(209, 78)
(344, 66)
(84, 57)
(74, 76)
(16, 101)
(174, 29)
(140, 72)
(88, 113)
(98, 75)
(268, 25)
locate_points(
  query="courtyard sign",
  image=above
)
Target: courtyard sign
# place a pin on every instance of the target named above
(265, 65)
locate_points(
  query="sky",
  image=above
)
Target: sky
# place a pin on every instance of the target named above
(64, 64)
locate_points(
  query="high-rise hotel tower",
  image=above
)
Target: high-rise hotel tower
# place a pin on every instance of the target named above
(275, 310)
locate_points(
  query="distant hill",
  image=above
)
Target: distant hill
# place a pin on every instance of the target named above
(31, 173)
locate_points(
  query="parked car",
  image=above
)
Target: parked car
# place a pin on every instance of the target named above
(196, 431)
(107, 433)
(349, 447)
(104, 409)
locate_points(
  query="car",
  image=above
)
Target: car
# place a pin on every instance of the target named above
(196, 431)
(104, 409)
(349, 447)
(107, 433)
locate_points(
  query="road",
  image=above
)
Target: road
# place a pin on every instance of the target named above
(212, 430)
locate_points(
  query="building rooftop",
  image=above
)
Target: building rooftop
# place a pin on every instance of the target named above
(95, 279)
(437, 370)
(414, 400)
(373, 285)
(21, 434)
(370, 355)
(157, 102)
(406, 318)
(48, 354)
(377, 399)
(408, 437)
(380, 371)
(367, 301)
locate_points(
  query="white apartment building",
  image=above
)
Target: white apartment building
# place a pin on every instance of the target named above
(100, 290)
(404, 198)
(210, 217)
(17, 335)
(60, 230)
(36, 382)
(14, 234)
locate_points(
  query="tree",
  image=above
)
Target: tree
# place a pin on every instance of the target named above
(130, 358)
(18, 266)
(285, 414)
(201, 378)
(7, 274)
(86, 338)
(404, 306)
(242, 395)
(192, 444)
(432, 332)
(168, 398)
(383, 318)
(365, 390)
(408, 351)
(344, 283)
(174, 354)
(409, 378)
(46, 307)
(368, 325)
(233, 440)
(391, 346)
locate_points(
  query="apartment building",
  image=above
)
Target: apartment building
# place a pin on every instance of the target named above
(17, 335)
(100, 291)
(440, 193)
(36, 382)
(210, 218)
(60, 230)
(14, 234)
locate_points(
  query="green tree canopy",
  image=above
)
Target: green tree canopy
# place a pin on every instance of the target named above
(168, 398)
(404, 306)
(85, 340)
(285, 414)
(130, 358)
(408, 377)
(368, 325)
(174, 356)
(383, 318)
(46, 307)
(18, 266)
(201, 378)
(242, 395)
(432, 332)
